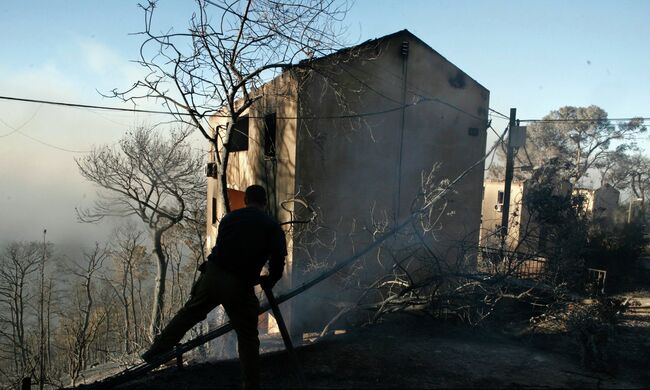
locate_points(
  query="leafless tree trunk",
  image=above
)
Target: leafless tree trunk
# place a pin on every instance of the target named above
(128, 255)
(18, 264)
(48, 345)
(82, 328)
(41, 319)
(152, 178)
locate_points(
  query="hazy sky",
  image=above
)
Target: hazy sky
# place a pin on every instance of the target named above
(532, 55)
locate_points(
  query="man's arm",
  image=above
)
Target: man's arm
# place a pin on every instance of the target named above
(278, 251)
(213, 253)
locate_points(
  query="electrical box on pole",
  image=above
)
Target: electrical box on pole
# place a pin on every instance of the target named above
(518, 136)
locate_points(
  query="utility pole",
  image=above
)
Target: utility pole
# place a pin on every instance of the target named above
(41, 360)
(508, 184)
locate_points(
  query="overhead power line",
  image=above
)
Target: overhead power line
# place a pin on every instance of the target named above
(17, 129)
(108, 108)
(343, 116)
(79, 105)
(51, 145)
(324, 117)
(89, 106)
(585, 120)
(498, 113)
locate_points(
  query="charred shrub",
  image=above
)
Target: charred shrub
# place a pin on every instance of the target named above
(558, 232)
(616, 250)
(593, 328)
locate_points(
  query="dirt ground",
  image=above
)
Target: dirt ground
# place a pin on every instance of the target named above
(407, 351)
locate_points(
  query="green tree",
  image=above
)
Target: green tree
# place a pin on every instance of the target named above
(631, 172)
(583, 138)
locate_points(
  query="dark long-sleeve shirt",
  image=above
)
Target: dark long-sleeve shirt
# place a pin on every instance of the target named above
(247, 238)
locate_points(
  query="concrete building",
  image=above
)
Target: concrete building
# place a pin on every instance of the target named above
(351, 135)
(600, 203)
(524, 232)
(492, 214)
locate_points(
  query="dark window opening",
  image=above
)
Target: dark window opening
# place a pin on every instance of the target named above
(499, 206)
(214, 210)
(270, 129)
(239, 136)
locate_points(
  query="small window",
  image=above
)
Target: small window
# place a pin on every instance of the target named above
(500, 197)
(214, 210)
(269, 135)
(239, 136)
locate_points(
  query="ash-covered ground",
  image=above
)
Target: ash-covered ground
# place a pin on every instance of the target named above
(408, 351)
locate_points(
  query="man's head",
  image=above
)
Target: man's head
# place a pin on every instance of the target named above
(255, 196)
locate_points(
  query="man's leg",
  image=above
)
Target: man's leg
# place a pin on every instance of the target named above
(202, 301)
(243, 310)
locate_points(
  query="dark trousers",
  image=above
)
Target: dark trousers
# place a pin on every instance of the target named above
(218, 287)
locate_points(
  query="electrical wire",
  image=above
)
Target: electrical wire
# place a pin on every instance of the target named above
(585, 120)
(415, 90)
(490, 164)
(528, 156)
(90, 106)
(495, 132)
(87, 106)
(17, 129)
(498, 113)
(426, 98)
(52, 146)
(423, 98)
(410, 88)
(493, 150)
(325, 117)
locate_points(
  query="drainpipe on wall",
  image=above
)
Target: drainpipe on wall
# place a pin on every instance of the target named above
(405, 53)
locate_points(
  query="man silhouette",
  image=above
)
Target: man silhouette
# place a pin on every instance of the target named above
(247, 238)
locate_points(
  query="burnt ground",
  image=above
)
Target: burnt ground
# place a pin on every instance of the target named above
(407, 351)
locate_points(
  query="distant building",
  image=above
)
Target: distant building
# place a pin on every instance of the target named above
(303, 140)
(600, 203)
(523, 231)
(492, 213)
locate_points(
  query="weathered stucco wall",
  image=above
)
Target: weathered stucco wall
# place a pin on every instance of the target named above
(605, 202)
(361, 172)
(586, 197)
(366, 170)
(251, 166)
(492, 214)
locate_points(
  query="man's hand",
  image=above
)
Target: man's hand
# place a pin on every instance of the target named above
(267, 282)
